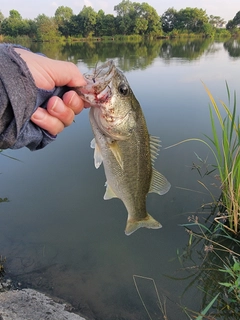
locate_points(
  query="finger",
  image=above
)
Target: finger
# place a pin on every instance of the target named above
(44, 120)
(49, 73)
(66, 73)
(72, 100)
(58, 109)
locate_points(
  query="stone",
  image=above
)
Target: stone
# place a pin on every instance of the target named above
(29, 304)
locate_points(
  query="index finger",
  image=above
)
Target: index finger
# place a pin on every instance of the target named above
(66, 73)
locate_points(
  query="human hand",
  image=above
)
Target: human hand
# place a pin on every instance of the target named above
(47, 74)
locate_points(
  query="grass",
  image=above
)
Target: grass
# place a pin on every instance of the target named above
(217, 270)
(162, 305)
(222, 278)
(226, 151)
(227, 155)
(233, 283)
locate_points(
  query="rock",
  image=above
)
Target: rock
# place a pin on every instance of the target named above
(29, 304)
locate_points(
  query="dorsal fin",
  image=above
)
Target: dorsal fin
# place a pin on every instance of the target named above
(154, 147)
(159, 183)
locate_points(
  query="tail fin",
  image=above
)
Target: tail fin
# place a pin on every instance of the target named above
(149, 222)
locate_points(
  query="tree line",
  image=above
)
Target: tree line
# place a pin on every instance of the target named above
(131, 18)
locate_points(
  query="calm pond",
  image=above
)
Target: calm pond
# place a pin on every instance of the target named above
(62, 238)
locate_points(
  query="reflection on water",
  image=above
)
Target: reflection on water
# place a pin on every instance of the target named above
(189, 50)
(58, 233)
(135, 55)
(233, 47)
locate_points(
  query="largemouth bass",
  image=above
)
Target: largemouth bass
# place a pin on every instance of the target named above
(122, 143)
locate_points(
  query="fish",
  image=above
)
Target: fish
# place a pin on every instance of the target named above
(122, 144)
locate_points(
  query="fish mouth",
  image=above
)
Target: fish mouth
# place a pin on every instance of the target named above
(98, 88)
(102, 73)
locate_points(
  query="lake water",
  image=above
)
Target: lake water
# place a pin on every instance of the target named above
(58, 233)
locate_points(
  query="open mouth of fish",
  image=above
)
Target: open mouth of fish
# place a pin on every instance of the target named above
(98, 88)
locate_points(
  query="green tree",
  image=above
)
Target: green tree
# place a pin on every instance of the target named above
(63, 14)
(236, 19)
(146, 19)
(151, 15)
(216, 21)
(47, 29)
(109, 25)
(208, 29)
(63, 17)
(126, 16)
(105, 24)
(14, 25)
(87, 19)
(230, 25)
(134, 17)
(99, 26)
(234, 23)
(73, 27)
(14, 14)
(192, 19)
(32, 33)
(141, 25)
(124, 8)
(1, 17)
(1, 20)
(169, 20)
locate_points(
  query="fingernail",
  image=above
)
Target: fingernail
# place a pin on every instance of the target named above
(39, 114)
(58, 106)
(73, 95)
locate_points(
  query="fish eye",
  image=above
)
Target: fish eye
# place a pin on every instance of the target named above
(123, 89)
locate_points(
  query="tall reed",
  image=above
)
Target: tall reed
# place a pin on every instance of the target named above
(226, 149)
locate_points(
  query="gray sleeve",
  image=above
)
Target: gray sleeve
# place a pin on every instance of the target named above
(19, 98)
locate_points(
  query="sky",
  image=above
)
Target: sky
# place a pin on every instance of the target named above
(30, 9)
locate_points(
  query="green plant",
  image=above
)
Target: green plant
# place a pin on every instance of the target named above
(211, 262)
(227, 155)
(226, 151)
(233, 283)
(162, 304)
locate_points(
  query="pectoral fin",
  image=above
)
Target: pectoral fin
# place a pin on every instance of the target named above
(113, 146)
(97, 154)
(159, 183)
